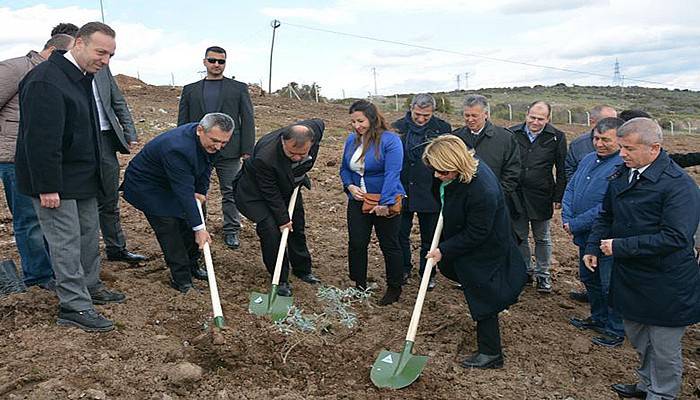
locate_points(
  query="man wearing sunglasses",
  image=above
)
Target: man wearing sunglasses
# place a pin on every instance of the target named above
(219, 94)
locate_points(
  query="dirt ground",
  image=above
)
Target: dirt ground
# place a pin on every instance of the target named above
(158, 329)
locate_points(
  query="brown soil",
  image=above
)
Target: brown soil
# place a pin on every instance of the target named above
(159, 331)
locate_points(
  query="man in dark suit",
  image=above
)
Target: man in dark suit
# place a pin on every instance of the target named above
(263, 190)
(417, 128)
(57, 164)
(216, 93)
(649, 215)
(165, 179)
(117, 134)
(542, 147)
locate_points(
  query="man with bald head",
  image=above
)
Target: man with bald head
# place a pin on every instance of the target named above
(57, 164)
(648, 218)
(263, 189)
(542, 147)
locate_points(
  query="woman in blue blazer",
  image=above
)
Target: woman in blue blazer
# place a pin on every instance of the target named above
(372, 160)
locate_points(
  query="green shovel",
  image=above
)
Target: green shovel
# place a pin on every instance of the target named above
(213, 288)
(272, 304)
(398, 370)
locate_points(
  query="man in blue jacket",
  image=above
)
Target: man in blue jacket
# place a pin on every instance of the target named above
(165, 179)
(580, 206)
(649, 215)
(417, 128)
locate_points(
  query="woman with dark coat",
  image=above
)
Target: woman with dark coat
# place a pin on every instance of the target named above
(477, 248)
(372, 160)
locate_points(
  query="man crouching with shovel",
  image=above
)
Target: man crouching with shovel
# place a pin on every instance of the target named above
(263, 189)
(165, 180)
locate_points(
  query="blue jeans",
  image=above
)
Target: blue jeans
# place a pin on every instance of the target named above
(36, 264)
(598, 286)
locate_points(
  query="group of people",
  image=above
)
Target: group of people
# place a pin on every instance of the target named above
(627, 205)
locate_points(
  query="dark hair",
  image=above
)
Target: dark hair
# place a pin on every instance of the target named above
(88, 29)
(60, 41)
(534, 103)
(300, 134)
(65, 28)
(606, 124)
(214, 49)
(377, 125)
(629, 114)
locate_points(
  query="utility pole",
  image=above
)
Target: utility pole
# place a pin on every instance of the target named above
(172, 79)
(458, 81)
(466, 81)
(274, 24)
(374, 72)
(617, 78)
(102, 10)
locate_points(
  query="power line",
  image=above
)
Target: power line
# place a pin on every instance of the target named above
(503, 60)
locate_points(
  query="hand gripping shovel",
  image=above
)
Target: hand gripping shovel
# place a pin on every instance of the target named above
(398, 370)
(213, 289)
(272, 304)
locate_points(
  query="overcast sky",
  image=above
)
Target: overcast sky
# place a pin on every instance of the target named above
(654, 41)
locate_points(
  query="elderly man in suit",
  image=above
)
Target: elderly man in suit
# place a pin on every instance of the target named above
(57, 164)
(36, 264)
(649, 215)
(166, 178)
(117, 133)
(263, 189)
(216, 93)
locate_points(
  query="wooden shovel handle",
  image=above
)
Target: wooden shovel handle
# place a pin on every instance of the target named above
(415, 317)
(213, 288)
(283, 241)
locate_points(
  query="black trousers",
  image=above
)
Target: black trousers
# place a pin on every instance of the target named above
(176, 239)
(427, 223)
(360, 231)
(488, 335)
(297, 252)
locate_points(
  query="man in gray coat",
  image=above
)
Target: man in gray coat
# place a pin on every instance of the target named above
(36, 264)
(117, 135)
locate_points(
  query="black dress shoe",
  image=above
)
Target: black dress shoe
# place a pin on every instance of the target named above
(284, 289)
(126, 256)
(308, 278)
(182, 287)
(232, 241)
(608, 341)
(391, 296)
(581, 296)
(104, 296)
(628, 391)
(199, 273)
(483, 361)
(587, 323)
(87, 320)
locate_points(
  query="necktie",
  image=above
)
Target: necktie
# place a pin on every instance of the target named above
(634, 176)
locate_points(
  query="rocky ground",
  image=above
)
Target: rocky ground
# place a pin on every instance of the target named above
(160, 349)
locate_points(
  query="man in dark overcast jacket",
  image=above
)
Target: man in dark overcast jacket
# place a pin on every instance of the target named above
(542, 148)
(416, 129)
(263, 190)
(649, 215)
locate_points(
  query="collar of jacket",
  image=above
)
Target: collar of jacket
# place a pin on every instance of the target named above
(35, 57)
(659, 166)
(404, 124)
(67, 67)
(488, 129)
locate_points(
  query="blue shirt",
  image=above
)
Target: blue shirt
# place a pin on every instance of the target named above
(530, 135)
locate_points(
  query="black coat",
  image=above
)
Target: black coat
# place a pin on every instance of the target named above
(265, 183)
(57, 145)
(538, 189)
(234, 100)
(655, 277)
(416, 178)
(496, 146)
(478, 246)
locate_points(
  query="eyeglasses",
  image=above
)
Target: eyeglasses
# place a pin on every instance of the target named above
(216, 60)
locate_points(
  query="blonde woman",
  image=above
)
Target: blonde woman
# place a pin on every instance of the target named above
(477, 248)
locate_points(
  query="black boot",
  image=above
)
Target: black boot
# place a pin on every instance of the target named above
(391, 296)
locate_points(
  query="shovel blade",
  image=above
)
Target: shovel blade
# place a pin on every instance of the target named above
(397, 370)
(270, 304)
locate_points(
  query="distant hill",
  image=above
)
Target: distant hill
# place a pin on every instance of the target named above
(678, 106)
